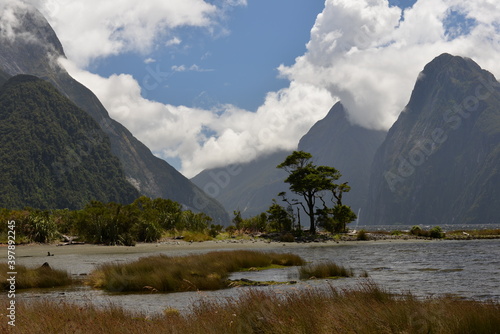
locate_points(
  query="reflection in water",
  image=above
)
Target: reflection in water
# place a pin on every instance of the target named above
(465, 268)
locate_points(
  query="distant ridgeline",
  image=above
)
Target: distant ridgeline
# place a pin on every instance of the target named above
(53, 154)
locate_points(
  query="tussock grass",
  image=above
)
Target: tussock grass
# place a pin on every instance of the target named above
(367, 309)
(324, 270)
(196, 236)
(27, 278)
(362, 235)
(185, 273)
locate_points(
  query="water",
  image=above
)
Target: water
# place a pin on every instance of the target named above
(445, 227)
(464, 268)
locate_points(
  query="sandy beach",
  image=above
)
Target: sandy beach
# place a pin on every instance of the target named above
(42, 250)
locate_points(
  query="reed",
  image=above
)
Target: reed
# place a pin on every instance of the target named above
(27, 278)
(324, 270)
(366, 309)
(186, 273)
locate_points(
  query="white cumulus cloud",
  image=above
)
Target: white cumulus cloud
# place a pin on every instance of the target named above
(369, 54)
(92, 29)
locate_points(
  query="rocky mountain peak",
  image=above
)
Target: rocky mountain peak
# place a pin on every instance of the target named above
(445, 74)
(28, 41)
(437, 164)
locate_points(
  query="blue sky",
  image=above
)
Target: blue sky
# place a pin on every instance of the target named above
(206, 83)
(236, 67)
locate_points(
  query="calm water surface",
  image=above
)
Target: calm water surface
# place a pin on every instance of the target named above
(465, 268)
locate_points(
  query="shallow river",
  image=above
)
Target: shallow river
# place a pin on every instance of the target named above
(465, 268)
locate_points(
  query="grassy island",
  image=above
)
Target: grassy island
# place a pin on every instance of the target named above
(162, 273)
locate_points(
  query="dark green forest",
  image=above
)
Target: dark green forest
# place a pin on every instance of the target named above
(54, 155)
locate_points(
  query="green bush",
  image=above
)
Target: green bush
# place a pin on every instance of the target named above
(436, 232)
(416, 230)
(41, 228)
(215, 230)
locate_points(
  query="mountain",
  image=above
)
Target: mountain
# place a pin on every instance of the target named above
(33, 48)
(439, 163)
(248, 187)
(54, 155)
(333, 141)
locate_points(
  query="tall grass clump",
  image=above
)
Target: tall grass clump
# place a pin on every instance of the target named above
(184, 273)
(42, 277)
(324, 270)
(362, 235)
(364, 310)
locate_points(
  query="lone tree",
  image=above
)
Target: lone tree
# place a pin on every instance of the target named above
(311, 182)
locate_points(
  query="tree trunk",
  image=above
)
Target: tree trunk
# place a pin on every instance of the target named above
(312, 228)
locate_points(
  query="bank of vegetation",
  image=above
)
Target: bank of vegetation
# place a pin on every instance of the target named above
(151, 220)
(145, 220)
(367, 309)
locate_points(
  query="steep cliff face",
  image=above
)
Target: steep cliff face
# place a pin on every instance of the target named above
(53, 154)
(439, 161)
(3, 77)
(32, 47)
(333, 141)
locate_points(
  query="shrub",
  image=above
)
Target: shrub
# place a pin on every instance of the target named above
(215, 230)
(147, 231)
(416, 230)
(362, 235)
(41, 228)
(288, 237)
(436, 232)
(279, 218)
(231, 230)
(109, 224)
